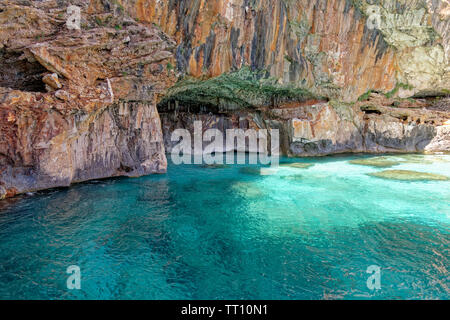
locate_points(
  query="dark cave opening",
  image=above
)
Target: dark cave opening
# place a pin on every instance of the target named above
(21, 74)
(370, 110)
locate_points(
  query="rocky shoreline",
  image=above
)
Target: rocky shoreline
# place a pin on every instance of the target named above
(102, 101)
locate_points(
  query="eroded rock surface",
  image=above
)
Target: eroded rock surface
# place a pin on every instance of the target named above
(317, 128)
(327, 46)
(81, 104)
(78, 104)
(328, 49)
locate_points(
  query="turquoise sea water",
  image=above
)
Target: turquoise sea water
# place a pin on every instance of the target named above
(232, 233)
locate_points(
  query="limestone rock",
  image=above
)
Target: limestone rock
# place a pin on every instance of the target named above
(2, 193)
(51, 79)
(315, 128)
(441, 142)
(325, 46)
(64, 95)
(104, 122)
(79, 104)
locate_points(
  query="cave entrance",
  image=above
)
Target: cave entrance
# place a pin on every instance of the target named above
(20, 74)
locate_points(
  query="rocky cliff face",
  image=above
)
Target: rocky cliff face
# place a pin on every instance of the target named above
(317, 128)
(276, 63)
(78, 104)
(327, 46)
(332, 75)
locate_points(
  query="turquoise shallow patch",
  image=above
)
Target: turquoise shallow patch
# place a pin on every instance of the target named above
(233, 233)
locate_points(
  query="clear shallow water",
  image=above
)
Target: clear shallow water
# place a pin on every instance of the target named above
(228, 233)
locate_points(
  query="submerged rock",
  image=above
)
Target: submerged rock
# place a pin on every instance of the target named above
(294, 177)
(416, 158)
(379, 162)
(297, 165)
(214, 166)
(389, 161)
(406, 175)
(254, 171)
(247, 189)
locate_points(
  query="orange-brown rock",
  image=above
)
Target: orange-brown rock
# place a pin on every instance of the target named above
(377, 125)
(326, 46)
(99, 119)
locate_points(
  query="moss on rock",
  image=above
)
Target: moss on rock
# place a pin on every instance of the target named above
(241, 89)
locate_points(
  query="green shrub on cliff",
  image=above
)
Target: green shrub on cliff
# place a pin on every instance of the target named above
(240, 89)
(398, 86)
(365, 96)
